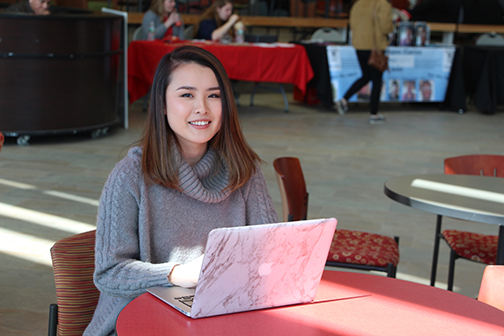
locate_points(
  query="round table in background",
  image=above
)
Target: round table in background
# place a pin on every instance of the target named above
(467, 197)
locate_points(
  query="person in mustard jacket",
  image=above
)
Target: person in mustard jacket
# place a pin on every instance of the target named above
(363, 29)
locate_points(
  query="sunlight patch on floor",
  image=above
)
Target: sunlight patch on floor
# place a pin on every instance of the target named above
(53, 193)
(26, 247)
(71, 197)
(44, 219)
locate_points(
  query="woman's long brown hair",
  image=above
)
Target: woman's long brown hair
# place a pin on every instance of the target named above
(160, 163)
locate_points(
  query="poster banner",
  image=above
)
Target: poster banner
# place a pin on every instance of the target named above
(415, 73)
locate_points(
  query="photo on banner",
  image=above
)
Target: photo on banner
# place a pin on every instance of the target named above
(409, 91)
(426, 90)
(393, 89)
(418, 74)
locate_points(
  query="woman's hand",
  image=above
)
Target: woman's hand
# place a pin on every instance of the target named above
(172, 19)
(233, 19)
(218, 33)
(186, 275)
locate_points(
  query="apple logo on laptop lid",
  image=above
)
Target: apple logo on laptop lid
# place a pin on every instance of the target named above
(265, 269)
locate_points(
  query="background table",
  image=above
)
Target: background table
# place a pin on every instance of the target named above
(274, 63)
(468, 197)
(346, 304)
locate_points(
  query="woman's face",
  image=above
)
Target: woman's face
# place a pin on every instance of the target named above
(193, 107)
(395, 89)
(426, 90)
(40, 6)
(168, 6)
(225, 11)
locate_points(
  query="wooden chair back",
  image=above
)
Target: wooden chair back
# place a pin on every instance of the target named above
(292, 188)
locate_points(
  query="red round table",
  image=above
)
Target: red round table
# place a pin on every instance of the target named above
(346, 304)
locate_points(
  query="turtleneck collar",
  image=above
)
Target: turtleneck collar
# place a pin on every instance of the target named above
(202, 181)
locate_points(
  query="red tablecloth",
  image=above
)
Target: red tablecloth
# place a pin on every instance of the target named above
(281, 63)
(346, 304)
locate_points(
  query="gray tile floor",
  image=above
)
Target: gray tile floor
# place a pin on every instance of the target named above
(50, 189)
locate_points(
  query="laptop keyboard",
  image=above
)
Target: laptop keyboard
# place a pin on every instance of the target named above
(186, 300)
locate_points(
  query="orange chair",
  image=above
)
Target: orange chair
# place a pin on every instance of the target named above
(77, 296)
(484, 165)
(468, 245)
(349, 249)
(492, 286)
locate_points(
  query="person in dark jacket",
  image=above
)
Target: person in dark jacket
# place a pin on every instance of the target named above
(217, 22)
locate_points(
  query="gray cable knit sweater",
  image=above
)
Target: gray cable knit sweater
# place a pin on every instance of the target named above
(144, 230)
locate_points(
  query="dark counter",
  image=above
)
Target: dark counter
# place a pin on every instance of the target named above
(60, 73)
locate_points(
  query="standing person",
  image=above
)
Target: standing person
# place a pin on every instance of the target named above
(167, 22)
(37, 7)
(217, 22)
(193, 172)
(361, 24)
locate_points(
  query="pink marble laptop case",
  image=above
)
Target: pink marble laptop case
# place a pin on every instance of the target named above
(262, 266)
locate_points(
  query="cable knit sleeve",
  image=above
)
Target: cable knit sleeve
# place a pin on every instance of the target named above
(118, 269)
(259, 206)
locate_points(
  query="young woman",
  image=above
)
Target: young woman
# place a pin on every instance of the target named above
(167, 22)
(217, 22)
(193, 172)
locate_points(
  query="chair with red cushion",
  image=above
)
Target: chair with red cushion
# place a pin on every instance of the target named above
(77, 296)
(492, 286)
(1, 140)
(349, 248)
(468, 245)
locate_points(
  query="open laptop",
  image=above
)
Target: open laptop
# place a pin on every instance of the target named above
(254, 267)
